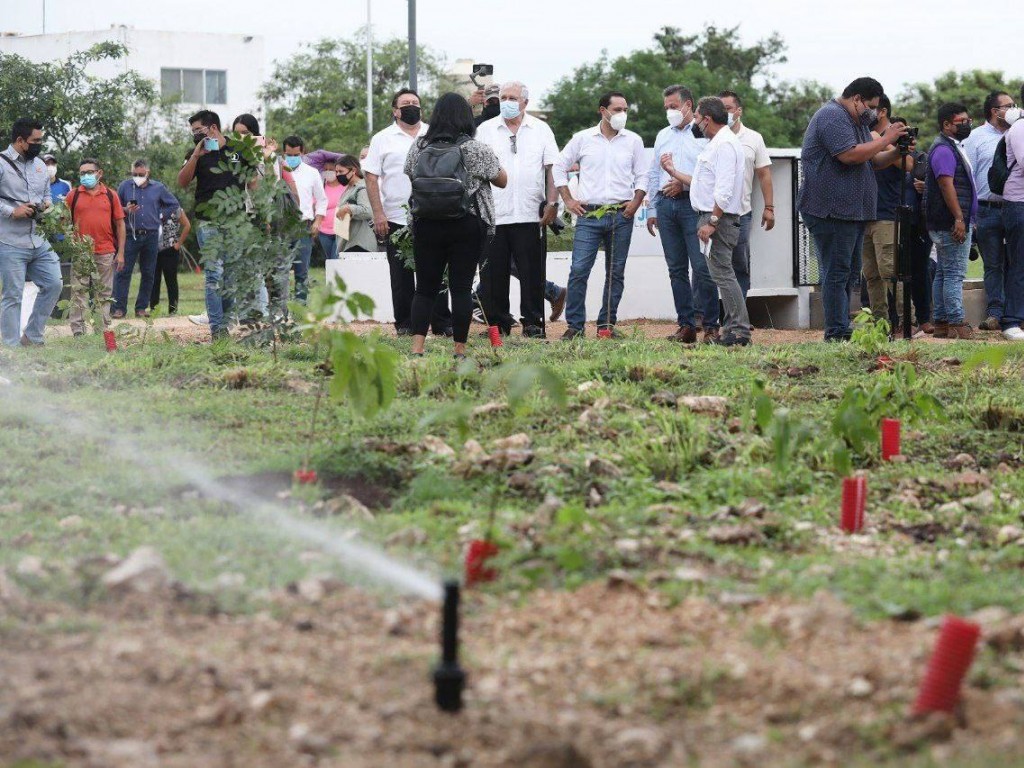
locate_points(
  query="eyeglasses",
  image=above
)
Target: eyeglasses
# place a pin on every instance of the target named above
(512, 139)
(1011, 105)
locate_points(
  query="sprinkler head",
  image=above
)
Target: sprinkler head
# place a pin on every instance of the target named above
(449, 677)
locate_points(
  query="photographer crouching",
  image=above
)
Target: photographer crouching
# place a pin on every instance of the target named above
(24, 253)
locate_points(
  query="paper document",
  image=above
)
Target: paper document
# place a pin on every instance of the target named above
(342, 226)
(705, 247)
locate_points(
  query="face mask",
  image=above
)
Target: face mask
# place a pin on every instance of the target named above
(573, 175)
(1013, 115)
(731, 121)
(33, 151)
(292, 161)
(963, 130)
(617, 121)
(410, 115)
(52, 170)
(868, 117)
(88, 180)
(510, 110)
(697, 132)
(491, 109)
(211, 144)
(674, 117)
(139, 180)
(197, 137)
(330, 176)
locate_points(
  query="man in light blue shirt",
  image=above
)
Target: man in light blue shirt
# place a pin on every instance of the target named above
(980, 147)
(669, 211)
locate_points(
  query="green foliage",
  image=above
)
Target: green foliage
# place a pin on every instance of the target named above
(319, 93)
(676, 448)
(786, 432)
(920, 102)
(56, 226)
(83, 115)
(870, 334)
(521, 381)
(708, 62)
(988, 356)
(898, 394)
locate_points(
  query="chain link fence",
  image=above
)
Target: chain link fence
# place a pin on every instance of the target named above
(806, 267)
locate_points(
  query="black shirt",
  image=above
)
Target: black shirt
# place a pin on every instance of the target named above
(209, 181)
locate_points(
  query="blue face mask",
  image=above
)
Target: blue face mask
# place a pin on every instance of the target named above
(292, 161)
(88, 180)
(211, 145)
(510, 110)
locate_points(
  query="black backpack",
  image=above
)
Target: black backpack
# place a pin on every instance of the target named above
(999, 172)
(440, 182)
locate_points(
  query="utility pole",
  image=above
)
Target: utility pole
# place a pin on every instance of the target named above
(369, 70)
(412, 44)
(44, 17)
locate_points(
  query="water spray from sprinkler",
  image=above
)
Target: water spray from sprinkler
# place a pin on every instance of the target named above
(449, 677)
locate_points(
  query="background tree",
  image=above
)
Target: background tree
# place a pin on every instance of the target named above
(713, 60)
(82, 114)
(320, 92)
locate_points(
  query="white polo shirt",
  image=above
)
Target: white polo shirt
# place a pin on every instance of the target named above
(519, 202)
(755, 156)
(386, 159)
(611, 170)
(718, 175)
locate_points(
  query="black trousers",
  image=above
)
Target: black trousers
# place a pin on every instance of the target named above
(167, 262)
(454, 245)
(519, 249)
(403, 288)
(921, 277)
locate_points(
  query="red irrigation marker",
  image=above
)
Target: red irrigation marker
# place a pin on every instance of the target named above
(604, 333)
(479, 552)
(951, 658)
(304, 476)
(495, 333)
(890, 438)
(110, 341)
(855, 492)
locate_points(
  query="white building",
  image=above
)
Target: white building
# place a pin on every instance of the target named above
(221, 72)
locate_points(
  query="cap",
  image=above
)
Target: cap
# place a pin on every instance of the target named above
(49, 158)
(491, 92)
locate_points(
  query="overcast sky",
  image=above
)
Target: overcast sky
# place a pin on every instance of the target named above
(538, 41)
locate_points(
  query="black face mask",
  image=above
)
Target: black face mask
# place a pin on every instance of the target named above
(33, 151)
(491, 110)
(197, 137)
(963, 130)
(410, 115)
(697, 132)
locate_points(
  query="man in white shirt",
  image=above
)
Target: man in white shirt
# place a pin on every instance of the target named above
(756, 163)
(312, 202)
(389, 189)
(716, 193)
(526, 149)
(612, 185)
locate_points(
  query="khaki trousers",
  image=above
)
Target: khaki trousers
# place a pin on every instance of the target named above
(80, 292)
(879, 259)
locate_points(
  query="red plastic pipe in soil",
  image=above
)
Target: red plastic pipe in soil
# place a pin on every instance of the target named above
(110, 341)
(952, 657)
(495, 333)
(855, 492)
(479, 552)
(890, 438)
(304, 476)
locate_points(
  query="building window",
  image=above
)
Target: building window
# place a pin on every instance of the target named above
(195, 86)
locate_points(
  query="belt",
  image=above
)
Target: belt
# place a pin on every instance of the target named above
(144, 231)
(990, 203)
(723, 216)
(610, 206)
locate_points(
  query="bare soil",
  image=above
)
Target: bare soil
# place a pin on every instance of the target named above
(609, 676)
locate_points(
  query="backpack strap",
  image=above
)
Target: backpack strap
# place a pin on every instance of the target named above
(110, 202)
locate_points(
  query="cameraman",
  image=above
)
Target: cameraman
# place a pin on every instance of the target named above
(24, 253)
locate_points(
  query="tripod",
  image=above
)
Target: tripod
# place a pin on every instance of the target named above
(904, 227)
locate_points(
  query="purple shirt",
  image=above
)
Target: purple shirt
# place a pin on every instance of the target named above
(1014, 189)
(943, 163)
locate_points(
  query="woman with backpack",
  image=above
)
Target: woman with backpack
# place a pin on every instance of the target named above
(452, 214)
(355, 204)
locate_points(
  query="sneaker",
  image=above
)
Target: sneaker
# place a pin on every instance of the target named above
(533, 332)
(76, 334)
(572, 333)
(558, 306)
(990, 324)
(446, 332)
(711, 335)
(197, 319)
(1014, 334)
(403, 331)
(685, 334)
(478, 315)
(728, 340)
(941, 331)
(961, 331)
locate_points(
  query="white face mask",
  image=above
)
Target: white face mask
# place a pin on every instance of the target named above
(674, 117)
(1013, 115)
(139, 180)
(52, 170)
(732, 119)
(617, 121)
(330, 176)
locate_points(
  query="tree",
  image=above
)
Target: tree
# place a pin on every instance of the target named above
(82, 114)
(920, 102)
(320, 92)
(706, 63)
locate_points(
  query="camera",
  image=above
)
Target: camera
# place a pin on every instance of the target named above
(37, 211)
(904, 141)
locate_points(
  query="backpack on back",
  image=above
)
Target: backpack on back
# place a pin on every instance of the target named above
(440, 182)
(999, 172)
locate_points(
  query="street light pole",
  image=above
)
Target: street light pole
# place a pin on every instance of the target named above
(412, 44)
(369, 70)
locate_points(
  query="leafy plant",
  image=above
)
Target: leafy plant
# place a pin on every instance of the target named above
(786, 432)
(870, 333)
(56, 226)
(676, 449)
(897, 394)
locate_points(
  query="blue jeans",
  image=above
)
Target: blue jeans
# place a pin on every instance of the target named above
(990, 235)
(741, 254)
(303, 250)
(551, 291)
(614, 231)
(677, 223)
(329, 244)
(144, 250)
(950, 271)
(39, 265)
(1013, 221)
(218, 301)
(838, 244)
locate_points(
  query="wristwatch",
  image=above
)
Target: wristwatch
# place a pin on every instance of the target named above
(713, 221)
